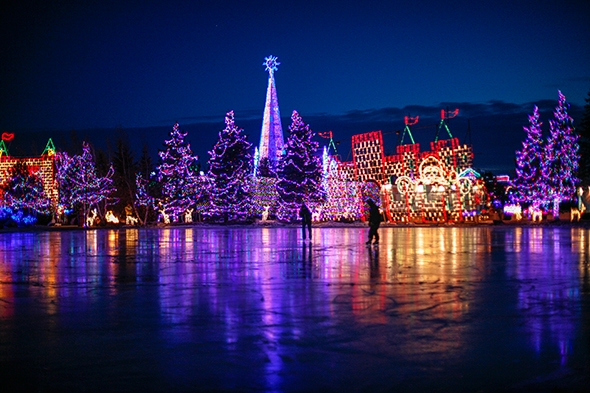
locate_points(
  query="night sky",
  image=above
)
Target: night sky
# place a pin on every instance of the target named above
(346, 66)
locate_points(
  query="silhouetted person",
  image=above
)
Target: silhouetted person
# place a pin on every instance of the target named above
(305, 215)
(374, 221)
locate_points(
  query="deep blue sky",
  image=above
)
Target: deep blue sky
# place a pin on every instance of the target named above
(349, 66)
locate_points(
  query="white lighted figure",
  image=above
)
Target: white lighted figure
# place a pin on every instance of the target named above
(514, 210)
(575, 214)
(537, 215)
(165, 217)
(188, 215)
(110, 217)
(91, 218)
(580, 193)
(129, 219)
(265, 213)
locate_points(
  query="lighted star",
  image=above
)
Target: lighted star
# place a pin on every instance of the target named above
(271, 63)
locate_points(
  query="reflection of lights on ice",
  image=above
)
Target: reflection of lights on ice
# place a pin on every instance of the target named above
(548, 309)
(225, 274)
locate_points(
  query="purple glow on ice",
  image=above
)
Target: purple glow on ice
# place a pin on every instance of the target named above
(208, 297)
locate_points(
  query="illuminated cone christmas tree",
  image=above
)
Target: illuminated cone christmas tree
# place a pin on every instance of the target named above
(271, 145)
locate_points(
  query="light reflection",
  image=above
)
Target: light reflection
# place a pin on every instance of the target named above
(549, 292)
(266, 282)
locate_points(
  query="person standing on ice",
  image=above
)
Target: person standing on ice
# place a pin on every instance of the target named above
(305, 215)
(374, 221)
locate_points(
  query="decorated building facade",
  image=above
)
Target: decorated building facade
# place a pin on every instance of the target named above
(43, 165)
(437, 185)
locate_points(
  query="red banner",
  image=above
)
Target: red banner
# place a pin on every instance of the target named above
(7, 136)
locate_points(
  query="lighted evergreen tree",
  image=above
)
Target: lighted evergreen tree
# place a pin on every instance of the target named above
(147, 190)
(80, 187)
(143, 197)
(230, 172)
(583, 130)
(300, 171)
(65, 173)
(562, 157)
(24, 195)
(105, 169)
(529, 179)
(177, 175)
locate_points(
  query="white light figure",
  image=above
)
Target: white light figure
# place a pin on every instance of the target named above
(129, 219)
(91, 218)
(188, 215)
(575, 214)
(165, 217)
(265, 213)
(110, 217)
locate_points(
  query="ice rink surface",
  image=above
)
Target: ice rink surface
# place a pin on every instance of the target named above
(257, 309)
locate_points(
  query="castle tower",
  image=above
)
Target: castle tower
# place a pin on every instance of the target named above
(271, 136)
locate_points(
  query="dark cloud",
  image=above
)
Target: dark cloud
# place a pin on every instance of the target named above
(494, 128)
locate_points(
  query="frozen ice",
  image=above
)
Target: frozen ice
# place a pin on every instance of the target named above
(214, 308)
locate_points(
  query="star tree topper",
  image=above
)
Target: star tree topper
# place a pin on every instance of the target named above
(271, 63)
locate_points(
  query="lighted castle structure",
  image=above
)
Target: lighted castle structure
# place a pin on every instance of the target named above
(417, 186)
(44, 166)
(271, 136)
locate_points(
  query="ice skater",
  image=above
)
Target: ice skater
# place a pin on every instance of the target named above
(305, 215)
(374, 221)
